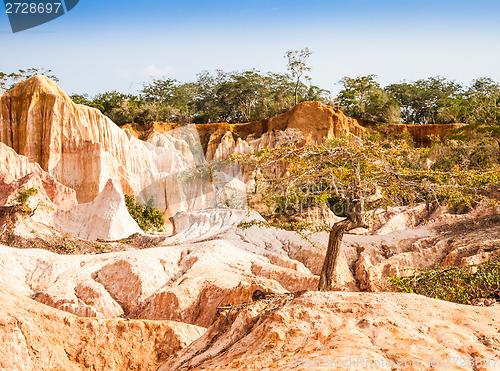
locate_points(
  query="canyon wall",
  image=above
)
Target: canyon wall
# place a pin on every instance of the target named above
(83, 149)
(307, 122)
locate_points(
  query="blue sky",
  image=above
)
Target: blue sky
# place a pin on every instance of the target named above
(117, 45)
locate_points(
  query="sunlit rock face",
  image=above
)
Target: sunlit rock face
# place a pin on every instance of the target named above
(37, 337)
(106, 217)
(83, 149)
(334, 330)
(307, 122)
(17, 173)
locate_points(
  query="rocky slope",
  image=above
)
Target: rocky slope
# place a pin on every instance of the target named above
(36, 337)
(17, 172)
(187, 279)
(338, 331)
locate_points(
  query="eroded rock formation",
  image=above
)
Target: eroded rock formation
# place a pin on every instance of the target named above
(83, 149)
(105, 307)
(36, 337)
(344, 331)
(307, 122)
(106, 217)
(17, 173)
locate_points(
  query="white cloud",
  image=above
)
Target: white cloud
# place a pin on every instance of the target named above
(155, 72)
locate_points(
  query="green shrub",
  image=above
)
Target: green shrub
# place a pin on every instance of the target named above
(102, 248)
(68, 247)
(456, 284)
(24, 195)
(147, 217)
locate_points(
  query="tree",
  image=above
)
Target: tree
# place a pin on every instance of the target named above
(362, 97)
(160, 90)
(120, 108)
(9, 80)
(206, 100)
(296, 64)
(484, 101)
(241, 94)
(422, 101)
(353, 178)
(81, 99)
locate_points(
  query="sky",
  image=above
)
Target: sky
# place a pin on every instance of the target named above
(119, 45)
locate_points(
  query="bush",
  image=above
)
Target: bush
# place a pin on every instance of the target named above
(147, 217)
(24, 195)
(468, 155)
(456, 284)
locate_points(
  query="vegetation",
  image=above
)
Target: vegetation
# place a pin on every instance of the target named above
(239, 96)
(297, 66)
(147, 217)
(67, 247)
(434, 100)
(456, 284)
(244, 96)
(362, 97)
(8, 80)
(250, 95)
(353, 178)
(24, 195)
(102, 248)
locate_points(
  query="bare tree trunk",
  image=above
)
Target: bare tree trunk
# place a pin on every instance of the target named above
(297, 90)
(332, 254)
(498, 141)
(356, 219)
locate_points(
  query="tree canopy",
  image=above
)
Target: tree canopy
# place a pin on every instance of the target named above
(354, 178)
(240, 96)
(296, 64)
(250, 95)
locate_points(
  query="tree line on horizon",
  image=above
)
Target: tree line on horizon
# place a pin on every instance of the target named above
(238, 96)
(250, 95)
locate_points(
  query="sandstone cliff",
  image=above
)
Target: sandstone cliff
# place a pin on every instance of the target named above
(419, 133)
(55, 205)
(307, 122)
(16, 173)
(82, 149)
